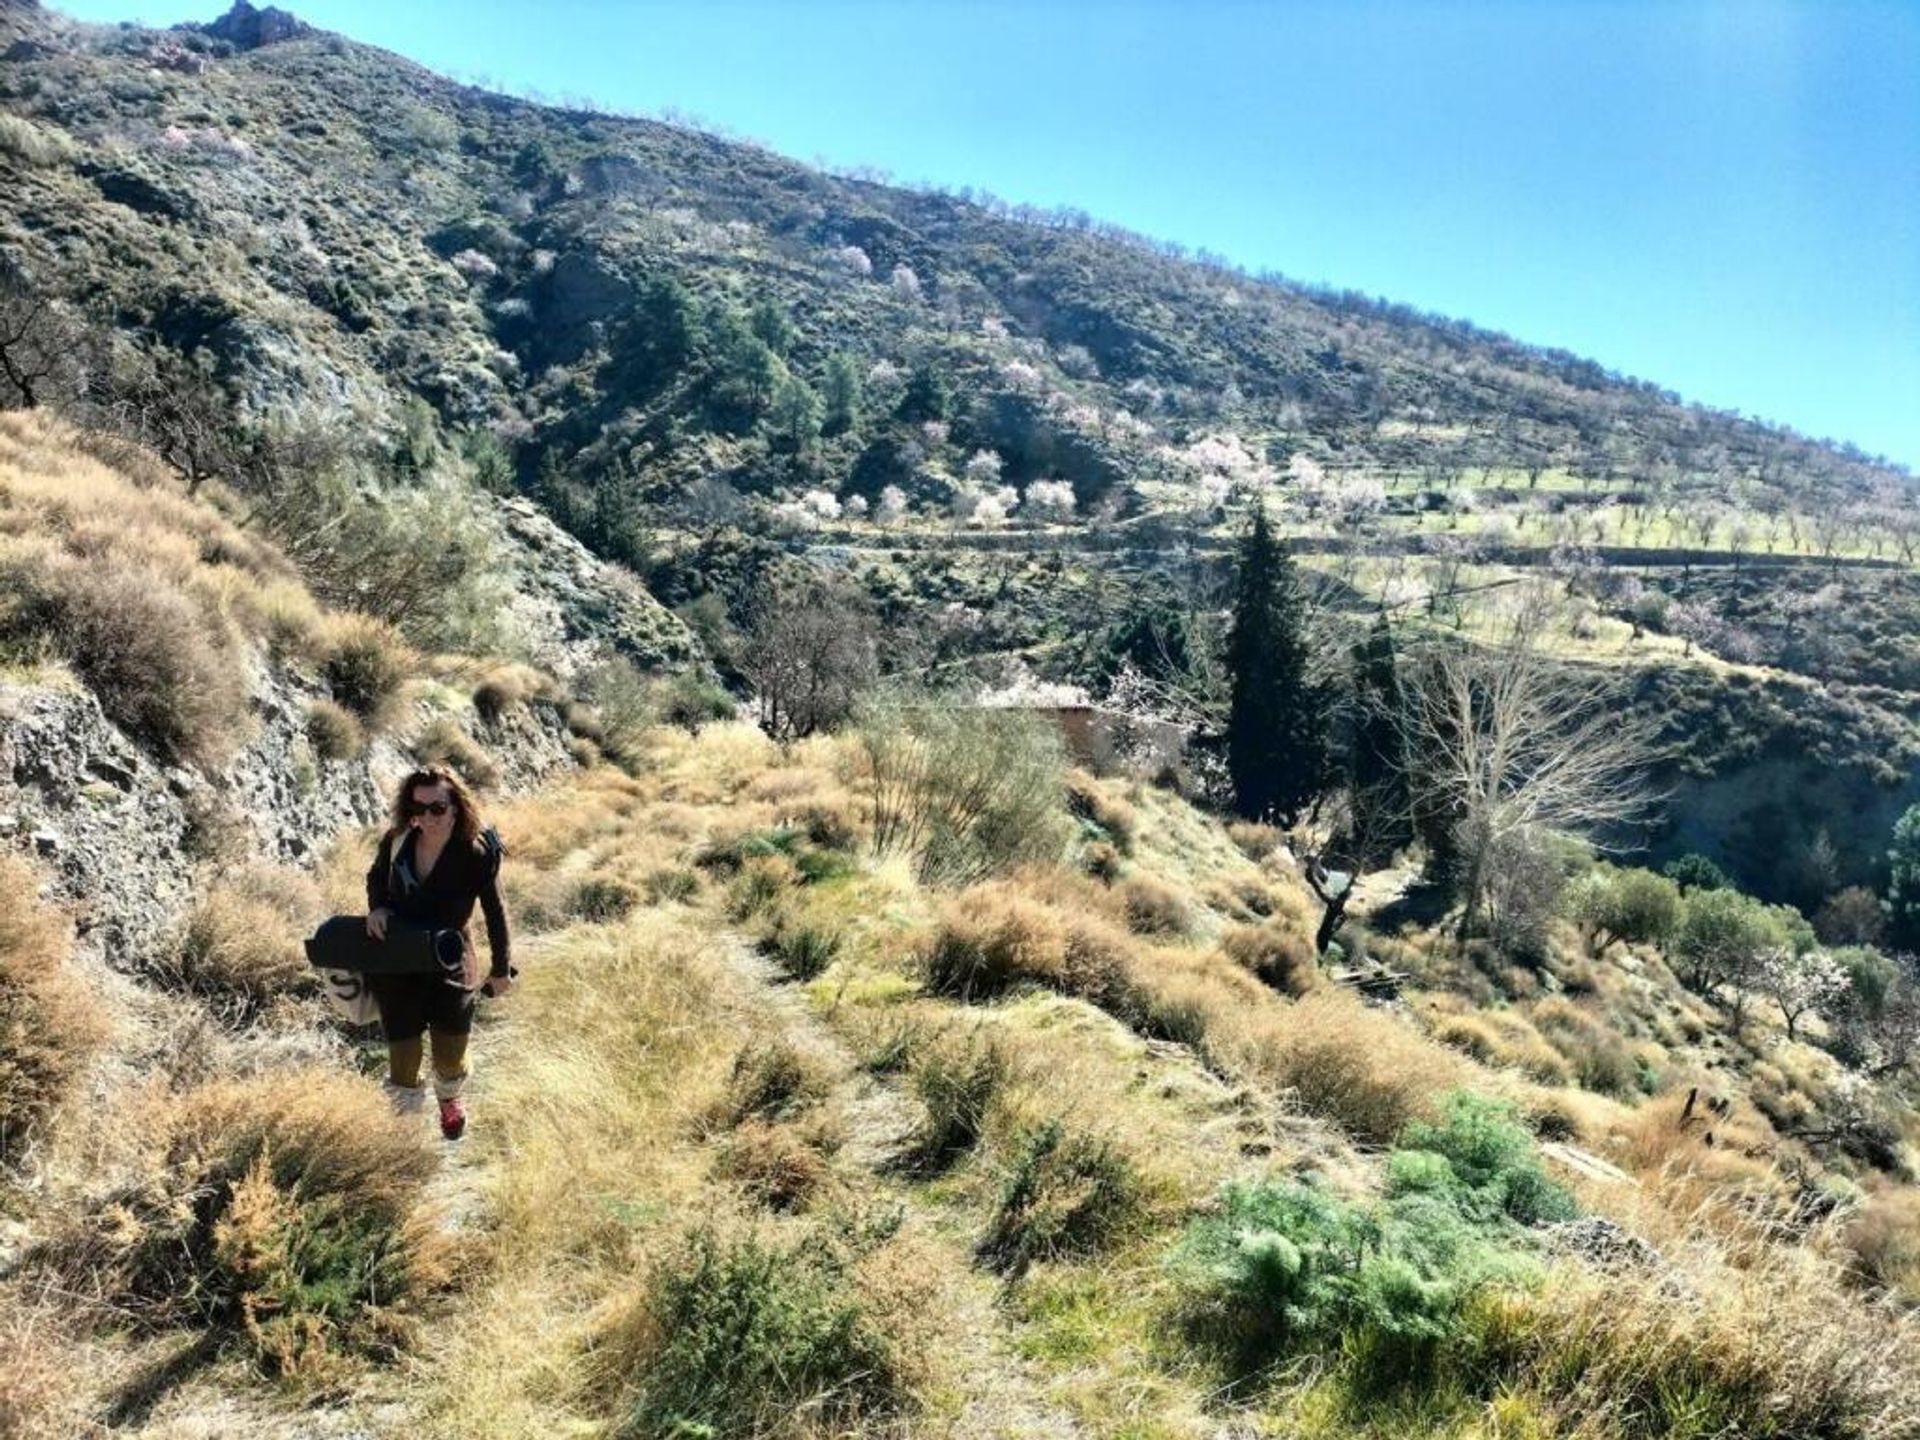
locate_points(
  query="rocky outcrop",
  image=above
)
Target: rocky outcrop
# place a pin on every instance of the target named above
(247, 28)
(124, 835)
(574, 607)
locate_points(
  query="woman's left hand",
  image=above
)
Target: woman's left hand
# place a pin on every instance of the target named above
(498, 985)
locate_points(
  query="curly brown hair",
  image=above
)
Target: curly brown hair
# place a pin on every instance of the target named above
(466, 809)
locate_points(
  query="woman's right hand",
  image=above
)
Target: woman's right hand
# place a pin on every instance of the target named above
(377, 923)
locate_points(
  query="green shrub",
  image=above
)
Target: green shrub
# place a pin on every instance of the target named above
(804, 951)
(818, 866)
(956, 1082)
(286, 1216)
(746, 1335)
(1064, 1194)
(690, 701)
(1636, 906)
(1492, 1166)
(965, 792)
(1696, 872)
(1282, 1268)
(671, 884)
(601, 899)
(728, 854)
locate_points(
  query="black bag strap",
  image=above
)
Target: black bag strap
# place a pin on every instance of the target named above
(492, 848)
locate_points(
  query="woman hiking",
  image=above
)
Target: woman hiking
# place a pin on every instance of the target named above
(434, 863)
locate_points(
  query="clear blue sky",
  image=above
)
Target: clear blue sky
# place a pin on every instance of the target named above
(1722, 196)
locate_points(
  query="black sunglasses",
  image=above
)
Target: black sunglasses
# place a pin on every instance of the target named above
(435, 808)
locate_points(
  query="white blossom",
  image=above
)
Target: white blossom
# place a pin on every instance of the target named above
(1049, 500)
(983, 468)
(853, 260)
(893, 505)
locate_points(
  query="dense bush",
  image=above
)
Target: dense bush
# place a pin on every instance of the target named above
(1154, 907)
(365, 665)
(1281, 1268)
(443, 742)
(240, 944)
(993, 937)
(1491, 1165)
(287, 1215)
(1064, 1193)
(1275, 951)
(1635, 906)
(334, 731)
(803, 951)
(748, 1336)
(956, 1080)
(771, 1079)
(161, 668)
(602, 899)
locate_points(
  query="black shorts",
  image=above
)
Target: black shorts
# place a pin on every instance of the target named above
(410, 1005)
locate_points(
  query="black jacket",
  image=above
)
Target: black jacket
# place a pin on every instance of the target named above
(444, 900)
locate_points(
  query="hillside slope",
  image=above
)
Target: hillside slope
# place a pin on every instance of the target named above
(796, 1131)
(1023, 437)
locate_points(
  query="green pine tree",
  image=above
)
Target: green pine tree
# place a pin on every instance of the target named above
(842, 395)
(1277, 720)
(1903, 883)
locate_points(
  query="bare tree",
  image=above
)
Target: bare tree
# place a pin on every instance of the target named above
(42, 348)
(811, 651)
(1508, 746)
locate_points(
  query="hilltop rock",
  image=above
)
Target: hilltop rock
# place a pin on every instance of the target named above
(247, 28)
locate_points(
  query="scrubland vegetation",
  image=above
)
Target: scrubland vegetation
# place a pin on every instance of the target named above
(1316, 1060)
(793, 1130)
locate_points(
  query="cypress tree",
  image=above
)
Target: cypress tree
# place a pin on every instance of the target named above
(1277, 722)
(1903, 883)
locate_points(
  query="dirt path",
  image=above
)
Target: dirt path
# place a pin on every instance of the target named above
(1004, 1398)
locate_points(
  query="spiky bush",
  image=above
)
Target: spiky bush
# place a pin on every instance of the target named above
(746, 1335)
(1064, 1193)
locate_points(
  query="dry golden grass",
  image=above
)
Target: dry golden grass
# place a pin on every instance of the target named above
(1367, 1071)
(1153, 906)
(1091, 799)
(365, 663)
(145, 591)
(997, 935)
(240, 944)
(443, 742)
(1734, 1335)
(1884, 1238)
(50, 1024)
(40, 1393)
(623, 1044)
(334, 731)
(1276, 952)
(782, 1167)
